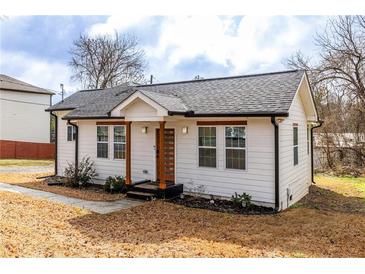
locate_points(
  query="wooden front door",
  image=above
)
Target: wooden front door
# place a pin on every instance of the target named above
(169, 155)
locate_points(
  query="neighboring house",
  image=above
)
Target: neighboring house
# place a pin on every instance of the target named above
(223, 135)
(24, 125)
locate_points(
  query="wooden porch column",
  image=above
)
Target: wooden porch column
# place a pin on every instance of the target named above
(162, 155)
(128, 178)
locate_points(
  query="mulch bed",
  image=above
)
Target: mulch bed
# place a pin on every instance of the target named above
(220, 205)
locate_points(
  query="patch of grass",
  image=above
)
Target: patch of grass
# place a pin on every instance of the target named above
(24, 162)
(348, 186)
(340, 194)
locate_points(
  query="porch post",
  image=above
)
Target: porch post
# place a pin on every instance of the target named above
(162, 155)
(128, 179)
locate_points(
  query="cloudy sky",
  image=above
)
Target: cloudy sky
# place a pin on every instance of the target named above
(35, 49)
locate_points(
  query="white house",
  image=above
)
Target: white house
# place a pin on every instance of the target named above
(22, 117)
(249, 133)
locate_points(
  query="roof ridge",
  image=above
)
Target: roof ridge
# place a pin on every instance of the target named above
(222, 78)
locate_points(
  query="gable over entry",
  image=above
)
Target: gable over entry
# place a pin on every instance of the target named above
(147, 106)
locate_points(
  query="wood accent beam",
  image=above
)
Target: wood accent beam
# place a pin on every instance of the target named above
(112, 123)
(221, 123)
(128, 176)
(162, 156)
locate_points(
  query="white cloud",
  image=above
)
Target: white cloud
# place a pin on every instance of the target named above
(257, 41)
(38, 72)
(242, 46)
(116, 22)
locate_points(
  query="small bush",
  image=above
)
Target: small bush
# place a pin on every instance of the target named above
(243, 200)
(82, 176)
(115, 184)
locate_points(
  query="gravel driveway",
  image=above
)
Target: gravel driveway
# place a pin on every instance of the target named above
(26, 169)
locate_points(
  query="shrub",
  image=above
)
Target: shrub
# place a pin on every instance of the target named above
(115, 184)
(243, 200)
(82, 176)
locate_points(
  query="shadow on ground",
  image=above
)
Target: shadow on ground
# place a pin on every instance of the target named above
(324, 224)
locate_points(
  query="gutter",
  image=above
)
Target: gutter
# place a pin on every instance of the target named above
(76, 144)
(91, 118)
(276, 157)
(230, 114)
(58, 109)
(56, 143)
(312, 168)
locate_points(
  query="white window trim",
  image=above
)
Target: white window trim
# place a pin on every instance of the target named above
(241, 148)
(102, 142)
(297, 145)
(308, 138)
(216, 148)
(72, 133)
(114, 142)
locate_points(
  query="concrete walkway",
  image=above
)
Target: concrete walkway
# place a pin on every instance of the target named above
(98, 207)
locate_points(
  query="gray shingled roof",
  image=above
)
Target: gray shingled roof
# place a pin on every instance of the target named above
(12, 84)
(269, 93)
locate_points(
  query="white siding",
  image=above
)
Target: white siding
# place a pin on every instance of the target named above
(298, 177)
(257, 180)
(87, 148)
(22, 117)
(66, 149)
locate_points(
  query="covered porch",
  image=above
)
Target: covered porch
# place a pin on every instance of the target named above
(147, 124)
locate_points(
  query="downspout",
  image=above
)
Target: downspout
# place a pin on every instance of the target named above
(276, 157)
(76, 144)
(56, 144)
(312, 168)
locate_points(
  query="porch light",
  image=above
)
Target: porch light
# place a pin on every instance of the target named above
(144, 130)
(185, 130)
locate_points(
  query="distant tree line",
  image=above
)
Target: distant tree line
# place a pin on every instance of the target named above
(337, 78)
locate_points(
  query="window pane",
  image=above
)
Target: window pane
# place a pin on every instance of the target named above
(295, 155)
(295, 136)
(102, 133)
(69, 133)
(102, 150)
(235, 137)
(119, 151)
(207, 136)
(207, 157)
(119, 134)
(235, 158)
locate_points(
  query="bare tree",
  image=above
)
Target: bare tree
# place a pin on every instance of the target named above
(338, 79)
(107, 60)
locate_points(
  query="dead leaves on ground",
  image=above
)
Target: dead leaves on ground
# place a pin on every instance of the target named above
(30, 180)
(39, 228)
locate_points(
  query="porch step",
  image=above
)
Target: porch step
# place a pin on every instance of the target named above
(145, 187)
(140, 195)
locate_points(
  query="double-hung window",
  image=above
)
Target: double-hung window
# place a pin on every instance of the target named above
(295, 144)
(71, 133)
(102, 141)
(235, 140)
(207, 147)
(119, 142)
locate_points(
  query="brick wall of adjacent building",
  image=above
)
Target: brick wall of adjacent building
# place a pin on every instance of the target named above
(26, 150)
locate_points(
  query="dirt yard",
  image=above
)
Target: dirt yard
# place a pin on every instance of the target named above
(330, 222)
